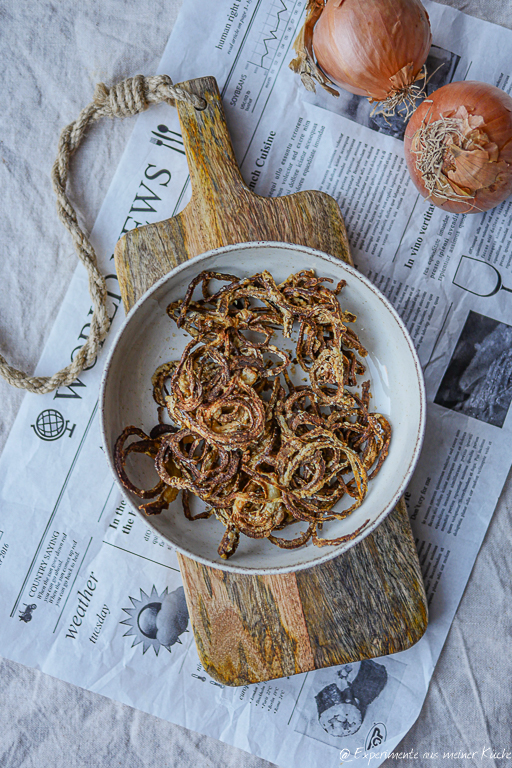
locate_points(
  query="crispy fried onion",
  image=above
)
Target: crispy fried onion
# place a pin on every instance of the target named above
(259, 454)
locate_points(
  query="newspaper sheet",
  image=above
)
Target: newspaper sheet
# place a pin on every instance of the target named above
(88, 592)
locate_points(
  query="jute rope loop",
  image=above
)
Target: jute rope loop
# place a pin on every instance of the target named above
(129, 97)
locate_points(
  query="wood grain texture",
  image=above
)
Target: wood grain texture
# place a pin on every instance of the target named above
(222, 209)
(374, 592)
(365, 603)
(246, 628)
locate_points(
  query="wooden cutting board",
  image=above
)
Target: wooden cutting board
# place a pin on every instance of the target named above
(368, 602)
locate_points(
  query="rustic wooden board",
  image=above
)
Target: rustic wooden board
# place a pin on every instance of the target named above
(368, 602)
(365, 603)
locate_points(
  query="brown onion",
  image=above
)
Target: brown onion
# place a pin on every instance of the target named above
(375, 49)
(458, 147)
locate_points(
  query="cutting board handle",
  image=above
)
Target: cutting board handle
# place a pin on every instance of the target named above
(214, 172)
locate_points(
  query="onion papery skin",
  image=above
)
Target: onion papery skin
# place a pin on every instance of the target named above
(494, 106)
(374, 48)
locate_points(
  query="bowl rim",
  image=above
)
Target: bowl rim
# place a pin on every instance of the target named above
(329, 552)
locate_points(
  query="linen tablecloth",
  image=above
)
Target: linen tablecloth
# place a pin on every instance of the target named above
(52, 55)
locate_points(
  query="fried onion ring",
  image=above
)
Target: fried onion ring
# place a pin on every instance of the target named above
(260, 455)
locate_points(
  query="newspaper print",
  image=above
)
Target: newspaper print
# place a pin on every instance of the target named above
(89, 593)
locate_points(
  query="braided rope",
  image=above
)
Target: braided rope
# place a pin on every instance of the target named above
(129, 97)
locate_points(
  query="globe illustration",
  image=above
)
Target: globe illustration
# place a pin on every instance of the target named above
(50, 424)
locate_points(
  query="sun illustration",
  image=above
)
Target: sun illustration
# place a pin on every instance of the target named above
(157, 620)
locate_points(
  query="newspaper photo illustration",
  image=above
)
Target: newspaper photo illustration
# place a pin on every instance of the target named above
(342, 705)
(351, 705)
(478, 380)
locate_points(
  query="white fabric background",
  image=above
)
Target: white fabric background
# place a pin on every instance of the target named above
(52, 54)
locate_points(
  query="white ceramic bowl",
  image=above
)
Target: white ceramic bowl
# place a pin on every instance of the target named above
(149, 338)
